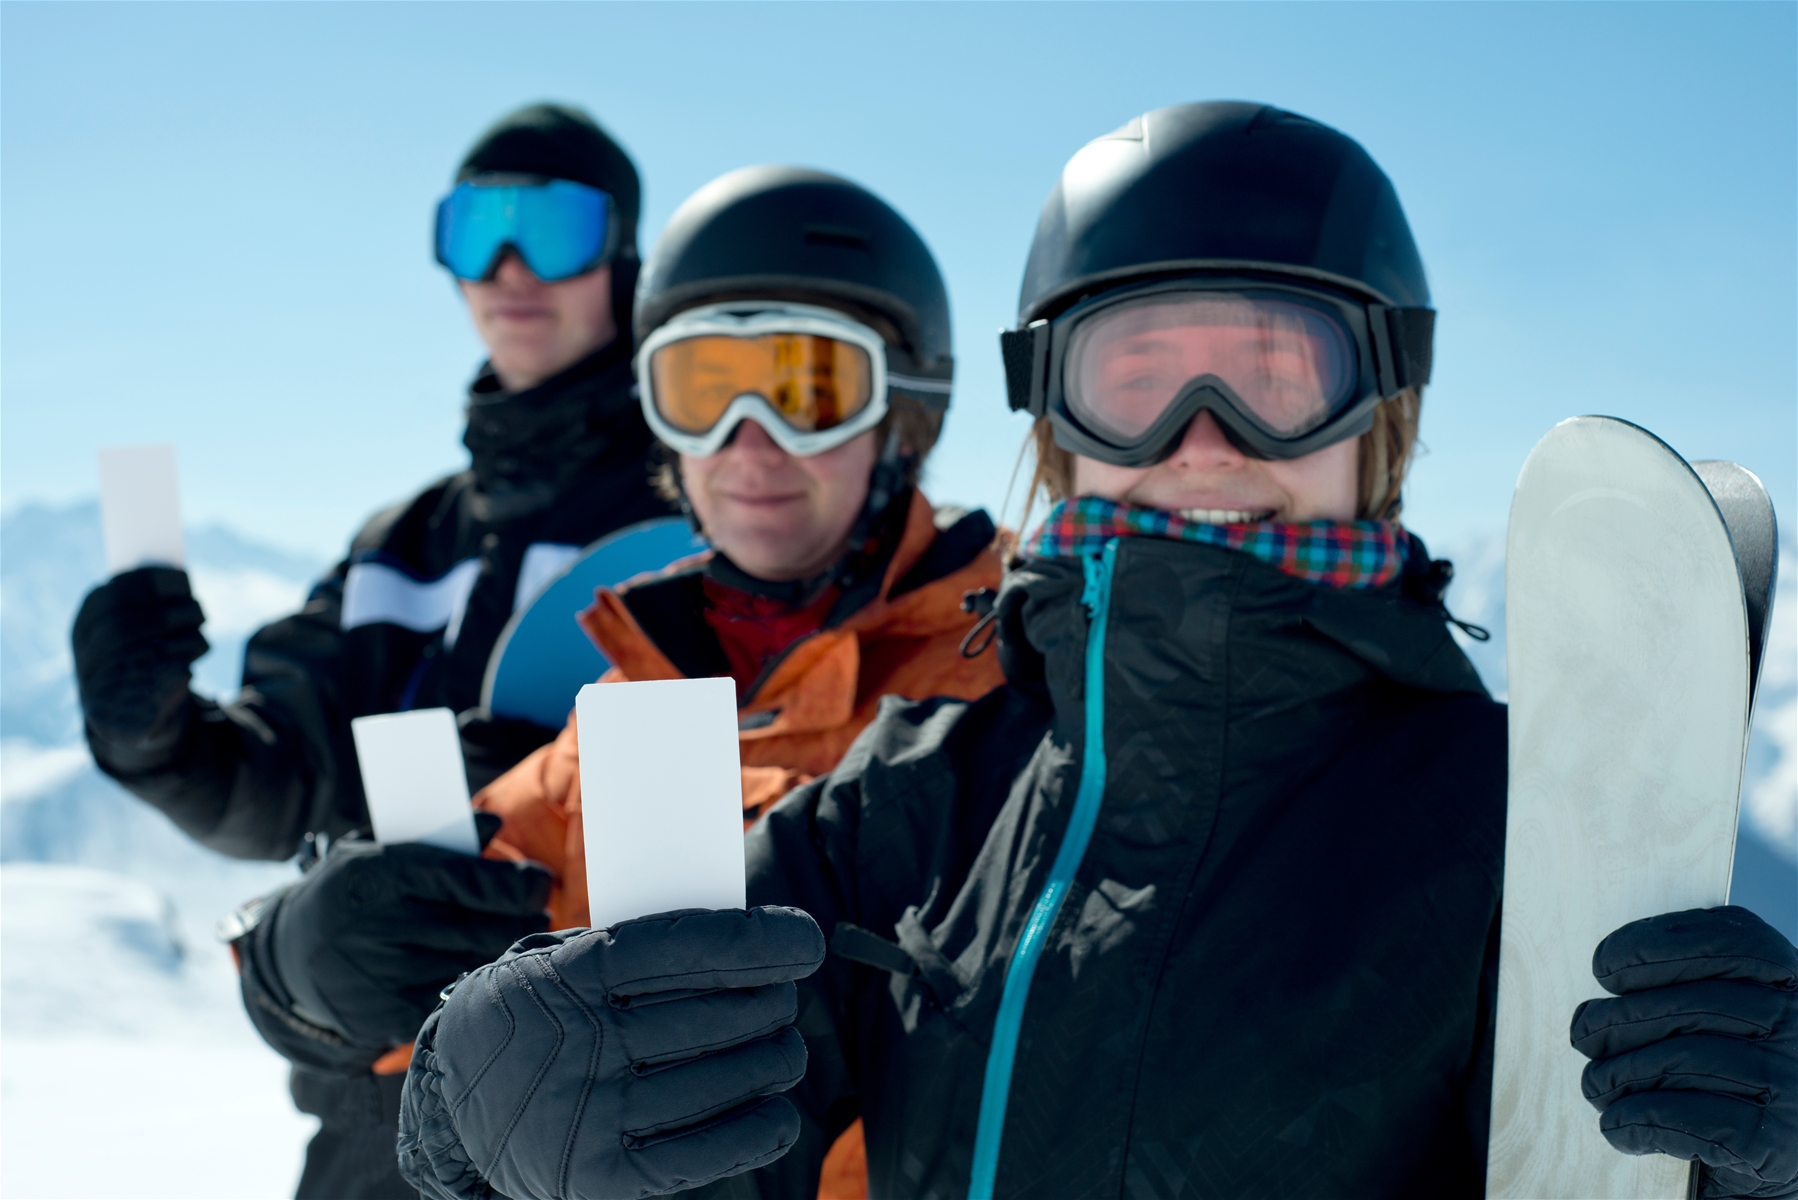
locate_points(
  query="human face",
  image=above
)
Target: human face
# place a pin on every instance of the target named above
(1208, 479)
(778, 516)
(534, 329)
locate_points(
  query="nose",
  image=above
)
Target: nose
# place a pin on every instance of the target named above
(1205, 446)
(750, 440)
(512, 272)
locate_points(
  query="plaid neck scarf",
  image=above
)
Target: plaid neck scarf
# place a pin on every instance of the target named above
(1343, 554)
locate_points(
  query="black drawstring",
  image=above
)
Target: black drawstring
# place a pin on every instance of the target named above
(1431, 585)
(1478, 633)
(982, 602)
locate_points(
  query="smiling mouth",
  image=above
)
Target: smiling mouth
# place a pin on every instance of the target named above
(1225, 516)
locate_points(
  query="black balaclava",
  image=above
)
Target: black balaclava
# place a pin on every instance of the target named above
(559, 141)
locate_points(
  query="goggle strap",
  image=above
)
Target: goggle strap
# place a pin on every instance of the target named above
(1026, 355)
(932, 393)
(1413, 334)
(1402, 339)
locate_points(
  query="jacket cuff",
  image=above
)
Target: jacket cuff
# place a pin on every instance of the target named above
(432, 1157)
(270, 1008)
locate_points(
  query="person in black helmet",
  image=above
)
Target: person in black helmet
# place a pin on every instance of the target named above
(1205, 900)
(539, 231)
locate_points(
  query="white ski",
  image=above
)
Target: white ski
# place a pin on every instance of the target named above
(1631, 666)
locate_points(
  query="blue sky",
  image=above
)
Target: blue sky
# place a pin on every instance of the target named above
(214, 218)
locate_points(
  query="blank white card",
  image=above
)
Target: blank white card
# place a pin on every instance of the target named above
(661, 797)
(140, 508)
(413, 777)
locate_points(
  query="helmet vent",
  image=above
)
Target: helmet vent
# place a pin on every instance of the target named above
(1270, 117)
(1129, 131)
(837, 235)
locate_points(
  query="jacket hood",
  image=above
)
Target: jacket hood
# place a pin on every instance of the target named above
(530, 446)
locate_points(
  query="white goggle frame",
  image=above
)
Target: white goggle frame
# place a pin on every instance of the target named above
(752, 319)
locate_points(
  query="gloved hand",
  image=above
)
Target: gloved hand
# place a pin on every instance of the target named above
(134, 640)
(1697, 1057)
(623, 1062)
(363, 944)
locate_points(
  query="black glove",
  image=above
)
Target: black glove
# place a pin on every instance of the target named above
(134, 640)
(348, 963)
(1697, 1057)
(623, 1062)
(492, 745)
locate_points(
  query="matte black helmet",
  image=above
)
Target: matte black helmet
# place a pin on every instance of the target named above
(559, 141)
(1222, 185)
(792, 233)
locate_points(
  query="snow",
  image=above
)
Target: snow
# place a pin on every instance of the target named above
(127, 1066)
(28, 770)
(96, 1116)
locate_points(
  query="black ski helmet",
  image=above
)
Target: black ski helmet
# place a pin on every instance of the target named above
(792, 233)
(560, 141)
(1227, 187)
(1221, 185)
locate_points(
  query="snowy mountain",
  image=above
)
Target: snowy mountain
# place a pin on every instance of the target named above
(194, 1103)
(1766, 868)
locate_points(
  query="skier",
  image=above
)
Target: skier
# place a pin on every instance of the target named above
(1205, 901)
(795, 361)
(539, 231)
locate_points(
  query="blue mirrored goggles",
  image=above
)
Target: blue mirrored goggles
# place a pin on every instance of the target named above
(559, 228)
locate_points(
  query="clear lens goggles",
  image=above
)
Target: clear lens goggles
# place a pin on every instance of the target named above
(1286, 371)
(812, 377)
(559, 228)
(1287, 364)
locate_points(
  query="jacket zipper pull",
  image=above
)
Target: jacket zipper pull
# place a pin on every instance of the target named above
(1089, 598)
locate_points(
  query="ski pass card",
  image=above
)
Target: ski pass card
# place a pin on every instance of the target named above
(140, 511)
(413, 777)
(661, 797)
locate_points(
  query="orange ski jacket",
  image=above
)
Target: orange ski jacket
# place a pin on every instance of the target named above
(797, 722)
(795, 725)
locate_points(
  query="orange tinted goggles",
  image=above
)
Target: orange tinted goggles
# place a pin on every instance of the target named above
(815, 383)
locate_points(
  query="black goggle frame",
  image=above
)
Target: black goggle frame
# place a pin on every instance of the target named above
(1392, 352)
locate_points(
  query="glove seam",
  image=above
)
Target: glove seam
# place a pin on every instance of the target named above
(536, 1080)
(505, 1009)
(1782, 968)
(1765, 1029)
(1609, 1096)
(589, 1083)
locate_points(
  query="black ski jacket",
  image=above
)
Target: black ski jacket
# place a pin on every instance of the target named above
(408, 619)
(1274, 971)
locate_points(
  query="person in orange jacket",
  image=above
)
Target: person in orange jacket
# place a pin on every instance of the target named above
(795, 362)
(795, 358)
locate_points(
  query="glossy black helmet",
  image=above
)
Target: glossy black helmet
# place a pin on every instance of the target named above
(787, 233)
(1223, 194)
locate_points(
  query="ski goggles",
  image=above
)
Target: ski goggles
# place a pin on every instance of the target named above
(559, 228)
(1284, 370)
(812, 377)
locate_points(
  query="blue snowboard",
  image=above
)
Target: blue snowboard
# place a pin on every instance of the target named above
(543, 657)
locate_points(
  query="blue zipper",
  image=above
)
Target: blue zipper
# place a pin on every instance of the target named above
(996, 1091)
